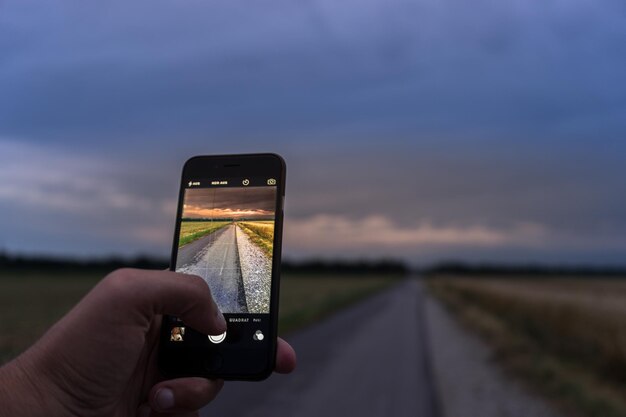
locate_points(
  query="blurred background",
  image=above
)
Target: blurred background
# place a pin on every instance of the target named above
(476, 148)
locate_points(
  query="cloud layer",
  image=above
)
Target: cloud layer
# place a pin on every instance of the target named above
(477, 130)
(524, 69)
(71, 203)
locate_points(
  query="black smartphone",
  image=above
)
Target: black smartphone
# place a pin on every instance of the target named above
(229, 232)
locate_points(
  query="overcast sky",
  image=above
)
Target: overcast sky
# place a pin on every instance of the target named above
(425, 130)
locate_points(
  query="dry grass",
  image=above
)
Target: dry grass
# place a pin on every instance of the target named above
(567, 337)
(261, 233)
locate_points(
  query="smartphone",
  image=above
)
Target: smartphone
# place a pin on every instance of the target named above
(229, 232)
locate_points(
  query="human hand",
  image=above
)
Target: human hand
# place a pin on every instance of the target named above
(100, 359)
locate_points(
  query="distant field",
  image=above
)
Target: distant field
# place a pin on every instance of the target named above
(191, 230)
(566, 337)
(31, 302)
(305, 299)
(261, 233)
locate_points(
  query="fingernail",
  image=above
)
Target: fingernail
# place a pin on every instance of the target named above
(164, 399)
(220, 319)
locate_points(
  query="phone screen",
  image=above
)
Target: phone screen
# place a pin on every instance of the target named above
(226, 236)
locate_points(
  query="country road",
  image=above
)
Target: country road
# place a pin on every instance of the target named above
(368, 360)
(399, 353)
(215, 257)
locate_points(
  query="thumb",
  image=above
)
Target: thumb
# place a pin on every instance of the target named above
(152, 293)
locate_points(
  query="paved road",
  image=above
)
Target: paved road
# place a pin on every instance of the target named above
(215, 257)
(368, 360)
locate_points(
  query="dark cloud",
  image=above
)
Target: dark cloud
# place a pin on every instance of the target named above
(233, 198)
(222, 69)
(445, 114)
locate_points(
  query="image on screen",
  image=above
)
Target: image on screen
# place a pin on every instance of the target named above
(226, 237)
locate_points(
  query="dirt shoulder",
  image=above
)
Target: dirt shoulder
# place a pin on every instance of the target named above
(469, 383)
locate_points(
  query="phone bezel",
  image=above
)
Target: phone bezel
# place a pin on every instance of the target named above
(271, 165)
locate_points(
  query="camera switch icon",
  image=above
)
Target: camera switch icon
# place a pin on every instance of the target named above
(258, 336)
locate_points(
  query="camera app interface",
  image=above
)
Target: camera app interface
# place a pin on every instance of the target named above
(227, 237)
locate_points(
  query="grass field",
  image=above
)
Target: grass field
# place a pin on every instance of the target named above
(261, 233)
(565, 337)
(192, 230)
(305, 299)
(31, 302)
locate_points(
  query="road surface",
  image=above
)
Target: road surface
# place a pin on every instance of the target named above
(368, 360)
(215, 257)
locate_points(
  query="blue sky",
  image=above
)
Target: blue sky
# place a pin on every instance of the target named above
(424, 130)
